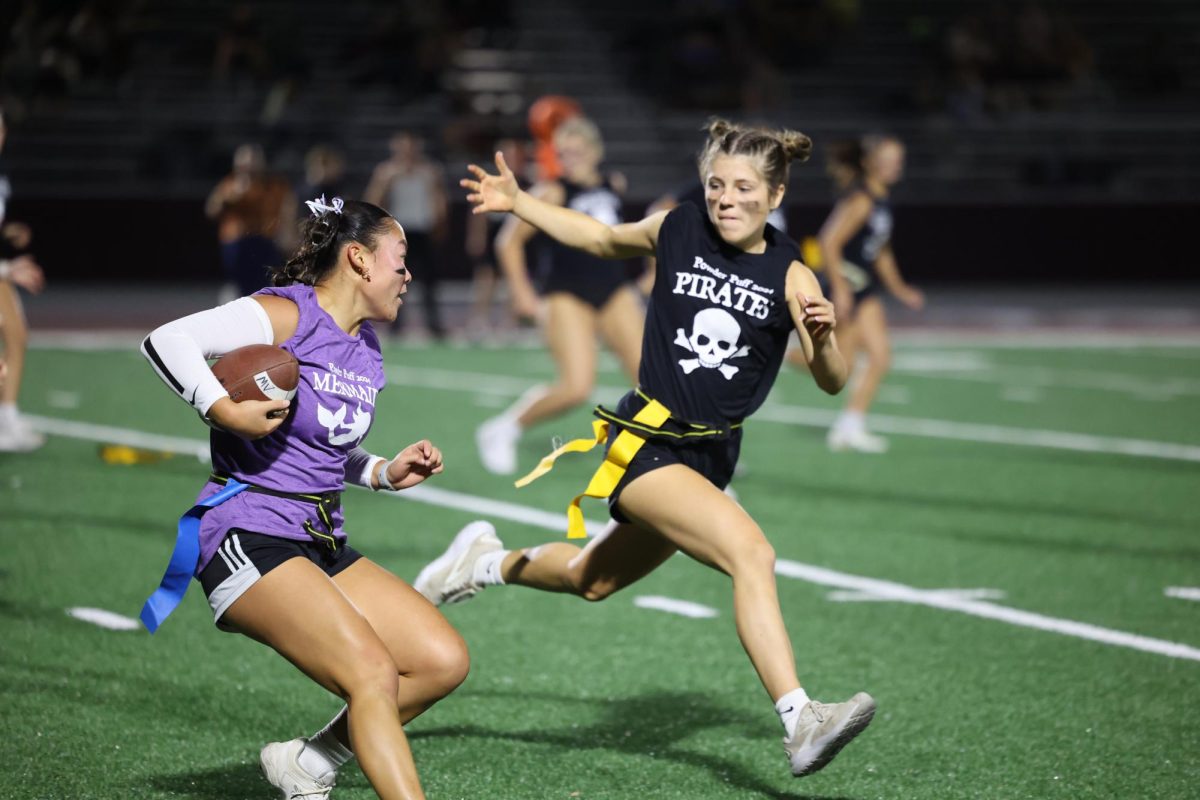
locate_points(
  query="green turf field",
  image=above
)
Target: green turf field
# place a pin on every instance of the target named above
(570, 700)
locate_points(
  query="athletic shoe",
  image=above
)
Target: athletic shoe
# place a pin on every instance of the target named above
(497, 442)
(450, 578)
(282, 770)
(824, 729)
(841, 439)
(18, 436)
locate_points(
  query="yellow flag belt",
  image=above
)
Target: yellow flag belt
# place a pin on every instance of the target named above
(646, 423)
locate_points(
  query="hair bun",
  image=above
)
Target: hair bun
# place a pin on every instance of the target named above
(720, 128)
(796, 145)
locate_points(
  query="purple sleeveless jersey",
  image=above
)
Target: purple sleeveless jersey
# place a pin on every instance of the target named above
(340, 377)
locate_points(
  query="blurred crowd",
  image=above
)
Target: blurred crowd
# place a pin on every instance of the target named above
(734, 55)
(52, 49)
(1009, 58)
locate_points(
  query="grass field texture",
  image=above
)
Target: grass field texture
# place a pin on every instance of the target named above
(1074, 675)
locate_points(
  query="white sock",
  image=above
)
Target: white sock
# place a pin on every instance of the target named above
(487, 569)
(8, 414)
(789, 707)
(322, 752)
(852, 421)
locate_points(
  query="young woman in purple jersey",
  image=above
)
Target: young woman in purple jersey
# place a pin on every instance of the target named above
(728, 293)
(274, 561)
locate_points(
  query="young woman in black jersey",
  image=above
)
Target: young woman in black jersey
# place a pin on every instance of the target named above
(582, 296)
(728, 292)
(857, 252)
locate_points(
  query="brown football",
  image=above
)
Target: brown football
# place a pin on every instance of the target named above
(258, 372)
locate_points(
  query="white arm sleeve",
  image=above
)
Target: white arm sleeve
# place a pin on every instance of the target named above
(179, 350)
(361, 466)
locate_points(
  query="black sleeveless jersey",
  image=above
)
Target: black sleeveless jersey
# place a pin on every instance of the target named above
(600, 203)
(717, 323)
(868, 241)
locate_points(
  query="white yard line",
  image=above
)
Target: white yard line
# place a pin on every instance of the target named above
(110, 435)
(683, 608)
(452, 380)
(987, 434)
(104, 619)
(1042, 377)
(1183, 592)
(821, 576)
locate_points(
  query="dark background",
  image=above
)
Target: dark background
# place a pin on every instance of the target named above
(1050, 141)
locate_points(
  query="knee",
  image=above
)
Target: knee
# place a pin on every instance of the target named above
(371, 672)
(576, 392)
(447, 663)
(598, 589)
(880, 357)
(753, 556)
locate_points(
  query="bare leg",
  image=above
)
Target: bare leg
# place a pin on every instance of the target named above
(706, 524)
(571, 334)
(302, 614)
(484, 286)
(871, 335)
(611, 561)
(429, 654)
(621, 323)
(16, 337)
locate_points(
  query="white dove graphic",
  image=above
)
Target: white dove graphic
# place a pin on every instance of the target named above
(333, 420)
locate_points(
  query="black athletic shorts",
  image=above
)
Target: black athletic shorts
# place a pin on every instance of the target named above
(245, 556)
(594, 289)
(714, 459)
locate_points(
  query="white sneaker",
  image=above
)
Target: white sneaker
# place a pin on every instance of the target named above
(450, 577)
(283, 771)
(824, 729)
(497, 442)
(18, 436)
(857, 439)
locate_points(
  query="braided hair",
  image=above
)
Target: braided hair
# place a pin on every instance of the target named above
(323, 234)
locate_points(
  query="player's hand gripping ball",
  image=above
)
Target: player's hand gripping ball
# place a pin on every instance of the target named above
(258, 372)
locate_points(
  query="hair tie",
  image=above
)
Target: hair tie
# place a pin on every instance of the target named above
(318, 206)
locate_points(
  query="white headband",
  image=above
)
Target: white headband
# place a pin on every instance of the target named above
(318, 207)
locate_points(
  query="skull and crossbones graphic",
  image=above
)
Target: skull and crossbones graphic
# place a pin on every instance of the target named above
(714, 341)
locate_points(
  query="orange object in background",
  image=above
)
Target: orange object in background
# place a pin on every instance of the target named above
(545, 115)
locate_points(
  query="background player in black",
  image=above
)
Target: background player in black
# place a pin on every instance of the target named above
(582, 296)
(857, 253)
(728, 292)
(482, 232)
(17, 268)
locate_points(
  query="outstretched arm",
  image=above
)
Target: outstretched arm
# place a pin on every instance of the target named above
(889, 275)
(814, 318)
(500, 192)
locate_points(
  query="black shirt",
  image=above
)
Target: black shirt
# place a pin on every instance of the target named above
(717, 323)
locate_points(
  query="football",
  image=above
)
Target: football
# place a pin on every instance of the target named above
(258, 372)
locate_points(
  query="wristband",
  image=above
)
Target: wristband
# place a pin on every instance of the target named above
(382, 479)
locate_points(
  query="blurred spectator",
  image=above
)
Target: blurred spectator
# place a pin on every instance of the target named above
(732, 55)
(411, 186)
(324, 168)
(255, 213)
(481, 246)
(17, 269)
(1012, 59)
(240, 48)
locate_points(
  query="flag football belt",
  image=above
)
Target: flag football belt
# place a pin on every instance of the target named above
(326, 503)
(648, 423)
(178, 575)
